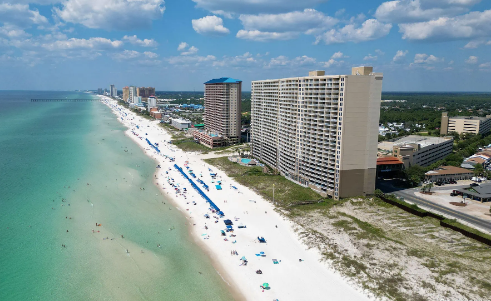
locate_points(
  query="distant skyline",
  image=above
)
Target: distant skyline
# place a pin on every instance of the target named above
(419, 45)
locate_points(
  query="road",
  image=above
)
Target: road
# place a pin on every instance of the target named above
(408, 194)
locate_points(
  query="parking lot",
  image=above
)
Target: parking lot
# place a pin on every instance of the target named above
(441, 196)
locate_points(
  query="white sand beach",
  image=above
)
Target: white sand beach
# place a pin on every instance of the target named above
(299, 273)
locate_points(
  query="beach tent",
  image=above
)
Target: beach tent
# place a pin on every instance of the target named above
(265, 285)
(218, 187)
(228, 222)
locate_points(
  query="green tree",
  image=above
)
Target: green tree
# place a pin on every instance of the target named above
(478, 170)
(415, 174)
(429, 186)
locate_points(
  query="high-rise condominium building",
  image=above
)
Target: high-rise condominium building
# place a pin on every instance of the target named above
(113, 92)
(126, 93)
(320, 130)
(132, 94)
(465, 124)
(222, 113)
(146, 92)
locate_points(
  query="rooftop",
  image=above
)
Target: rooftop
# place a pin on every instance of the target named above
(470, 118)
(388, 161)
(448, 170)
(482, 191)
(423, 141)
(223, 80)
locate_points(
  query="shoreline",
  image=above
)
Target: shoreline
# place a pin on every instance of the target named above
(297, 268)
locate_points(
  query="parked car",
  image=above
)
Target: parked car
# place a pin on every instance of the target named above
(474, 185)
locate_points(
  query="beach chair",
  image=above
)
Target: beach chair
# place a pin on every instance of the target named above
(275, 261)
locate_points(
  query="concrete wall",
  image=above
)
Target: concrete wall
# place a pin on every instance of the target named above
(360, 118)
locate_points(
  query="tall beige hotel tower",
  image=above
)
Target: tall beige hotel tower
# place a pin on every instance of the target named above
(320, 131)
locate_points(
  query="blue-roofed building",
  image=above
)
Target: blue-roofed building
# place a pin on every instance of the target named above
(223, 80)
(222, 114)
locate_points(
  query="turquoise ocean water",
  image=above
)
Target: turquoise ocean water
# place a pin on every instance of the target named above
(65, 167)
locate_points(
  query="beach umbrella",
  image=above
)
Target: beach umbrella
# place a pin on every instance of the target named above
(265, 285)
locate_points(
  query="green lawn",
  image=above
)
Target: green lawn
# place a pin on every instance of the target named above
(286, 192)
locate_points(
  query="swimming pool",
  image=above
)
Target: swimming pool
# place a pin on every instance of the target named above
(245, 161)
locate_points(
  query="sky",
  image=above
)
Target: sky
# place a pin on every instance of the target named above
(177, 45)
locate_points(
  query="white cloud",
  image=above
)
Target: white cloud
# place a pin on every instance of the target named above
(400, 55)
(256, 35)
(92, 43)
(186, 50)
(126, 55)
(371, 29)
(306, 20)
(472, 60)
(11, 31)
(255, 6)
(370, 57)
(334, 60)
(426, 61)
(406, 11)
(476, 43)
(182, 46)
(151, 55)
(299, 61)
(144, 43)
(109, 15)
(340, 12)
(190, 60)
(190, 51)
(20, 15)
(469, 26)
(337, 55)
(245, 60)
(146, 58)
(210, 25)
(485, 65)
(379, 52)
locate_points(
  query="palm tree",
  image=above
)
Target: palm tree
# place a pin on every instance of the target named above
(429, 186)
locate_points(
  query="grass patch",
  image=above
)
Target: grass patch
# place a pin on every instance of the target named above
(458, 225)
(188, 145)
(355, 266)
(286, 193)
(345, 225)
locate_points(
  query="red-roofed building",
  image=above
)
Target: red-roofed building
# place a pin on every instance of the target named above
(389, 167)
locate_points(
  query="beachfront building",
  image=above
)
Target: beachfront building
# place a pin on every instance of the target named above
(419, 150)
(152, 102)
(126, 93)
(320, 131)
(465, 124)
(145, 92)
(113, 91)
(222, 114)
(181, 124)
(132, 94)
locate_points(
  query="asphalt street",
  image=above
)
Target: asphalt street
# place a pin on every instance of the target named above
(408, 194)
